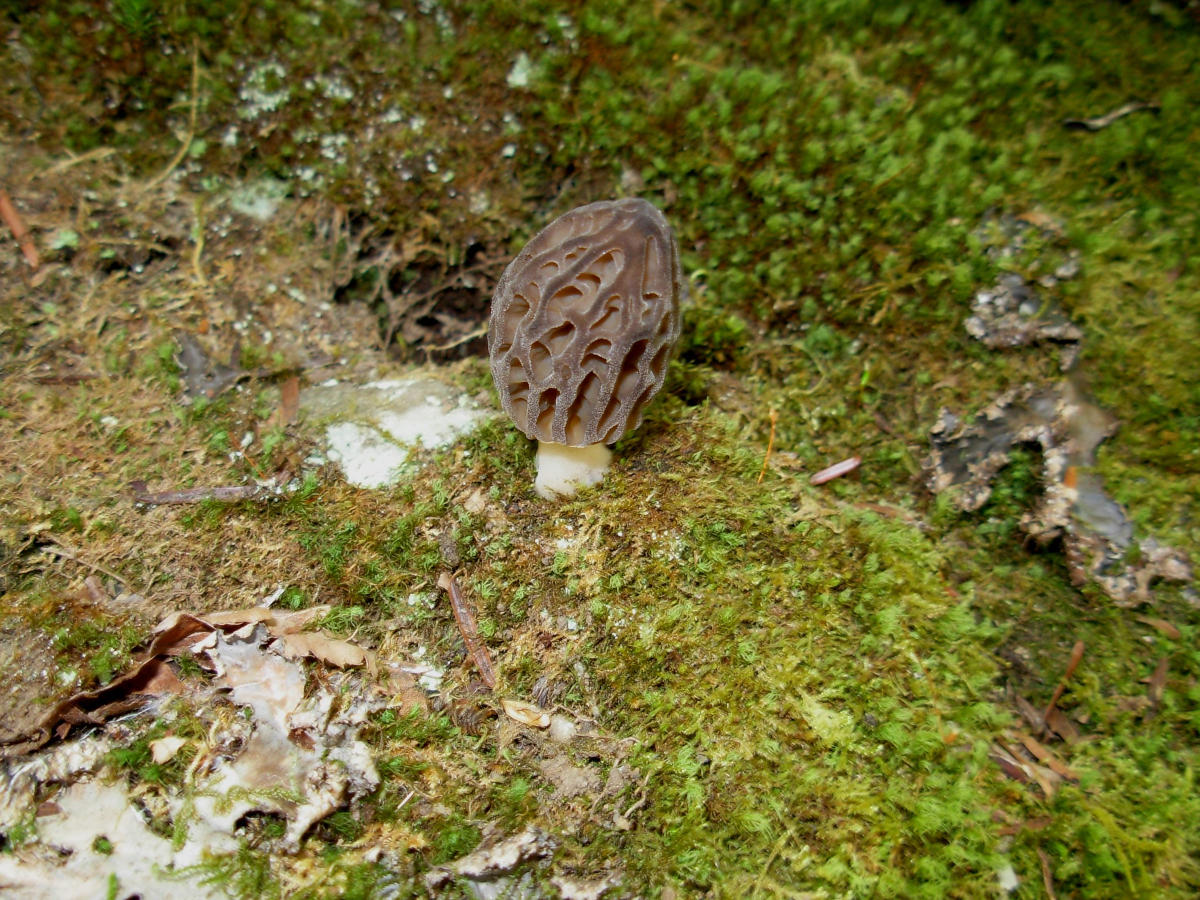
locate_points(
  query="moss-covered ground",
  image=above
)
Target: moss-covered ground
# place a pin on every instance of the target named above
(797, 691)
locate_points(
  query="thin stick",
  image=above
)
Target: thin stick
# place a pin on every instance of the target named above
(770, 444)
(225, 494)
(20, 233)
(191, 132)
(467, 627)
(70, 553)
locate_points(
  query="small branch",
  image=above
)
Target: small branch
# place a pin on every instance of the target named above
(470, 632)
(20, 233)
(227, 494)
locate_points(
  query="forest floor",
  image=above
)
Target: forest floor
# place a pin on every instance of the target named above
(954, 241)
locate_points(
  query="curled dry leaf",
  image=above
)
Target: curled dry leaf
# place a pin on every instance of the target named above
(1043, 755)
(526, 713)
(321, 646)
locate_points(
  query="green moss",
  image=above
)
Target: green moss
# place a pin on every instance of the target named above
(807, 681)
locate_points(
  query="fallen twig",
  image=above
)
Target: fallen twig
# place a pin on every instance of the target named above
(1098, 123)
(470, 632)
(225, 494)
(837, 470)
(20, 233)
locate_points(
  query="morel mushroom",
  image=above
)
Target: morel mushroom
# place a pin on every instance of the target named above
(583, 324)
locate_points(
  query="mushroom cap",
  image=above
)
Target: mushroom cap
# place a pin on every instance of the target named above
(584, 321)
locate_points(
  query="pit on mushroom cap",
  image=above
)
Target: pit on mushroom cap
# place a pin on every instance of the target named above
(584, 321)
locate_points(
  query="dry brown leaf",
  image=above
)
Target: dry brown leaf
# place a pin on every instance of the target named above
(238, 617)
(526, 713)
(289, 401)
(1046, 757)
(1029, 714)
(1047, 779)
(1039, 218)
(289, 622)
(405, 692)
(1058, 722)
(321, 646)
(151, 677)
(1009, 765)
(1161, 625)
(1157, 682)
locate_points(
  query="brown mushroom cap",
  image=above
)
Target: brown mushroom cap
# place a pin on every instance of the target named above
(584, 321)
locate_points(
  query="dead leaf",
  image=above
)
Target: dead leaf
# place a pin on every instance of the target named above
(151, 677)
(1039, 218)
(405, 692)
(1029, 714)
(1045, 756)
(1058, 722)
(289, 401)
(1157, 682)
(238, 617)
(1161, 625)
(526, 713)
(164, 749)
(321, 646)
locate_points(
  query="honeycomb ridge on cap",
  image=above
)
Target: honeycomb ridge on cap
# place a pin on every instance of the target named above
(584, 321)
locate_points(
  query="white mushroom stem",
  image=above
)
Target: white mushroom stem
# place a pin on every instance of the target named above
(562, 470)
